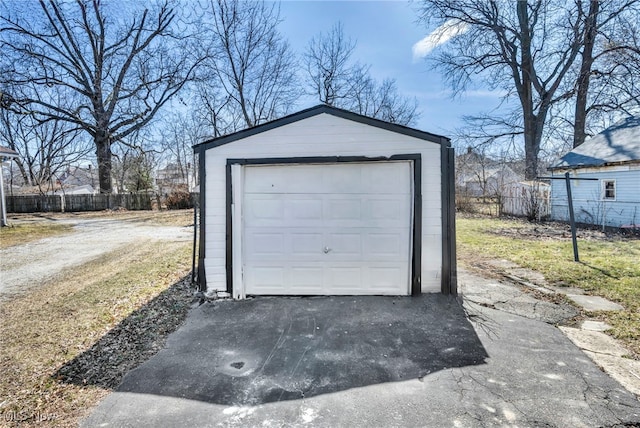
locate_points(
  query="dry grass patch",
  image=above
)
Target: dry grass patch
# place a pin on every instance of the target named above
(46, 336)
(609, 263)
(152, 217)
(166, 218)
(23, 233)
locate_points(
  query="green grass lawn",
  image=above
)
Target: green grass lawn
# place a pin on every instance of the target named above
(609, 265)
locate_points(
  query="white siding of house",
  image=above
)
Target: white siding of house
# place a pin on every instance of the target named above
(323, 135)
(588, 205)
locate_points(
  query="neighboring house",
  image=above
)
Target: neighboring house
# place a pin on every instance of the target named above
(76, 180)
(478, 175)
(75, 190)
(73, 180)
(612, 157)
(327, 202)
(488, 182)
(175, 177)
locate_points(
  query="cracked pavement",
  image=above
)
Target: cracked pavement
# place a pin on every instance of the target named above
(511, 298)
(498, 360)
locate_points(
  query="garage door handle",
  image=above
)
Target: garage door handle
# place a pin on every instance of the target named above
(326, 250)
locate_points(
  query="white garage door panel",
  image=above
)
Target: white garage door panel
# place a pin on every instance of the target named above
(327, 229)
(337, 210)
(341, 278)
(374, 244)
(304, 209)
(267, 278)
(306, 243)
(384, 278)
(346, 178)
(267, 244)
(308, 278)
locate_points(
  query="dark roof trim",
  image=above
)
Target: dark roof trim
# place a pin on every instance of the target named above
(314, 111)
(585, 166)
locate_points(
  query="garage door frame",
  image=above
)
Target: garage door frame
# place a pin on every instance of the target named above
(416, 233)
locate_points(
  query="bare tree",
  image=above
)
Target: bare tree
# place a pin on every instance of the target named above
(45, 149)
(213, 110)
(525, 48)
(329, 67)
(610, 59)
(182, 131)
(118, 68)
(382, 101)
(133, 169)
(252, 64)
(335, 79)
(583, 80)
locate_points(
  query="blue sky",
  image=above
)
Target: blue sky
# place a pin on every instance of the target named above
(385, 32)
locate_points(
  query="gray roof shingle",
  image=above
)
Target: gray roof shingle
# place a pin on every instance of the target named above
(618, 143)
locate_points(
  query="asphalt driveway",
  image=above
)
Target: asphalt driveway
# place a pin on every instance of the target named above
(366, 361)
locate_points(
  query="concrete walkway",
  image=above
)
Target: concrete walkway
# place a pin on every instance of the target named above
(498, 360)
(589, 335)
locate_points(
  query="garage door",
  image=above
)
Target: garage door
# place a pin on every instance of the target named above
(327, 229)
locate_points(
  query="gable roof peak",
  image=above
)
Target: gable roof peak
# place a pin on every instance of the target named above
(315, 111)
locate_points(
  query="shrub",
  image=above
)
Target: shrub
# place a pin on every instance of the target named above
(178, 200)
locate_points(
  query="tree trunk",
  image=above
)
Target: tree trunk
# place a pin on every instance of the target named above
(580, 116)
(23, 172)
(103, 153)
(531, 149)
(525, 92)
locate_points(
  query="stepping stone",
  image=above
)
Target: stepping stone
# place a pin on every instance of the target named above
(595, 303)
(593, 325)
(567, 290)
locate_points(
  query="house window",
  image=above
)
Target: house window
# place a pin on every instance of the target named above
(609, 190)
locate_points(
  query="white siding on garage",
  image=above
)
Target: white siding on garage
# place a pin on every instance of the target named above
(588, 205)
(318, 136)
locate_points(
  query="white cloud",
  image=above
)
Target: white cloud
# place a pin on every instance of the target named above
(440, 35)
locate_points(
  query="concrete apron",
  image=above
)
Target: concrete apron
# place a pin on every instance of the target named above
(370, 361)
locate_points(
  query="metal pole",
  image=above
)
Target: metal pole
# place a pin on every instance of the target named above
(3, 221)
(195, 239)
(572, 219)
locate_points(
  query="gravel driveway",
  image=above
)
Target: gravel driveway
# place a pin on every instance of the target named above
(31, 264)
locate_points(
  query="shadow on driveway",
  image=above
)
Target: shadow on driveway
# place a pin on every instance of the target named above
(272, 349)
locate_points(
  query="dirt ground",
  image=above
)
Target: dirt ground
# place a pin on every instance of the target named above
(559, 231)
(25, 266)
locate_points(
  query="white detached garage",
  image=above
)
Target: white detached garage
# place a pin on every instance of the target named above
(327, 202)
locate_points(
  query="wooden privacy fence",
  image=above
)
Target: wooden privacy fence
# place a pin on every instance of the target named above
(74, 203)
